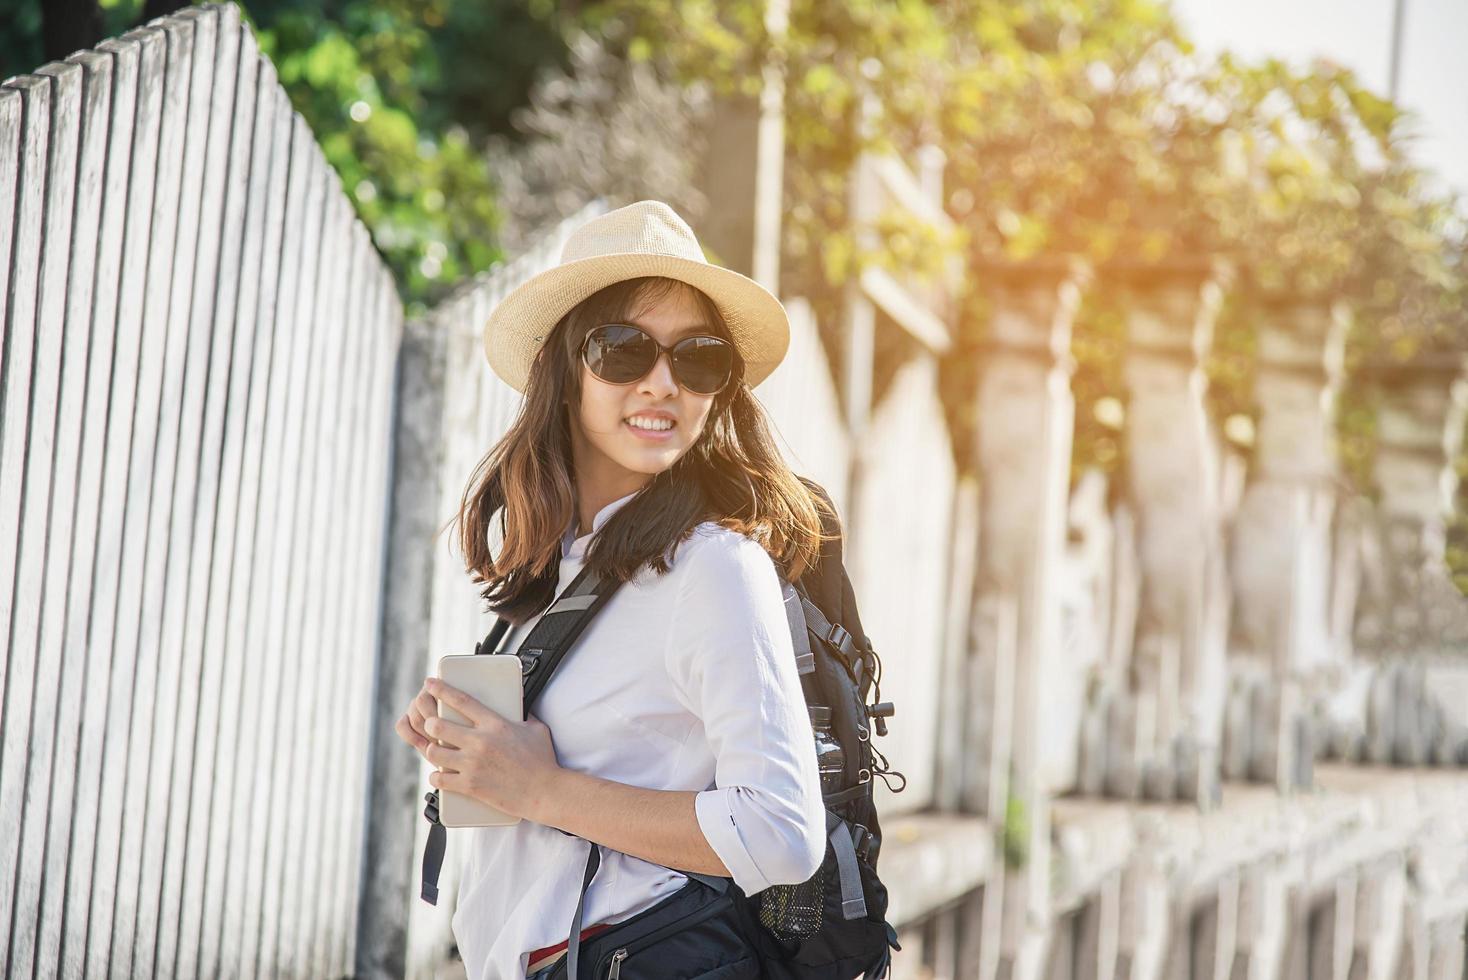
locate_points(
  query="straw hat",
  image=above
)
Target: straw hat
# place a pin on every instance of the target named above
(647, 238)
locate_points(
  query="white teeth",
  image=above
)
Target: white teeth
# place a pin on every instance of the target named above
(656, 426)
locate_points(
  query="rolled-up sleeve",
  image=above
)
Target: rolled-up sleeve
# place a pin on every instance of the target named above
(731, 662)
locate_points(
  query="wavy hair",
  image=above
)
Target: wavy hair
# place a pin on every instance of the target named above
(732, 475)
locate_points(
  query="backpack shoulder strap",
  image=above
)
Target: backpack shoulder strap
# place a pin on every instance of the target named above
(558, 628)
(492, 639)
(828, 587)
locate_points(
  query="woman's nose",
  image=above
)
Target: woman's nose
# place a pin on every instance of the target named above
(660, 379)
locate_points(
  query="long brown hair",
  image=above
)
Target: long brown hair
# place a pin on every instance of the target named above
(733, 475)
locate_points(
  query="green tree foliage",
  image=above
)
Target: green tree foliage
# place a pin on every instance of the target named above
(402, 95)
(397, 95)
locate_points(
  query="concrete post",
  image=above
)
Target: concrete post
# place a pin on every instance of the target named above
(1408, 604)
(1409, 613)
(1281, 552)
(1173, 471)
(1026, 419)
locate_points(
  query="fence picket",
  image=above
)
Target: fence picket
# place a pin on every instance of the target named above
(196, 502)
(150, 478)
(273, 558)
(77, 500)
(122, 265)
(40, 596)
(19, 578)
(235, 844)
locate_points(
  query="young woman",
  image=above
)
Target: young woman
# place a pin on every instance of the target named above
(674, 735)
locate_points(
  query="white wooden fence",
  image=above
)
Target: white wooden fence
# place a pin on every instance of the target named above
(198, 356)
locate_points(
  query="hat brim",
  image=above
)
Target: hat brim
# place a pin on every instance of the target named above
(518, 326)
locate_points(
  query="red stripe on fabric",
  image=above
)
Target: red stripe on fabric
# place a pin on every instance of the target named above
(549, 950)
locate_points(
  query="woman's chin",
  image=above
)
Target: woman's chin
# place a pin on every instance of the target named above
(652, 460)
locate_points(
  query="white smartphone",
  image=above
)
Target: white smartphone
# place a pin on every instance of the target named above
(494, 681)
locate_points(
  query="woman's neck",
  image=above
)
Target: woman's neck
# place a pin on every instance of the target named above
(591, 502)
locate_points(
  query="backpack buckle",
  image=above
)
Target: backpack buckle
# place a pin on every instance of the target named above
(863, 840)
(528, 660)
(841, 640)
(431, 810)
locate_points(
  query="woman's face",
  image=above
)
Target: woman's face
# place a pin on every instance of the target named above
(610, 453)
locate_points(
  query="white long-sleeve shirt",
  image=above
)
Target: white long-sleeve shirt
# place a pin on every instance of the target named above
(684, 681)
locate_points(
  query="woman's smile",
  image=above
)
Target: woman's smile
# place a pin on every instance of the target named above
(650, 430)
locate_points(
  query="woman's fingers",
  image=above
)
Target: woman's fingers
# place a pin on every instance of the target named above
(424, 706)
(477, 714)
(406, 732)
(446, 732)
(442, 756)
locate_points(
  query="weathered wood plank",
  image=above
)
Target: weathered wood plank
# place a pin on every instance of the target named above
(266, 615)
(210, 809)
(10, 136)
(58, 387)
(223, 921)
(150, 498)
(171, 518)
(20, 620)
(359, 627)
(330, 916)
(304, 650)
(309, 647)
(329, 834)
(200, 431)
(380, 325)
(84, 417)
(275, 936)
(39, 616)
(132, 153)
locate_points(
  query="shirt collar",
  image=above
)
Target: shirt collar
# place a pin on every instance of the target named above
(574, 547)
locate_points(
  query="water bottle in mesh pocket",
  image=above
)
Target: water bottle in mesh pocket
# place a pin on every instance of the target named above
(794, 911)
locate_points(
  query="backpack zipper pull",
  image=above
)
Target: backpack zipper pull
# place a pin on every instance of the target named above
(617, 958)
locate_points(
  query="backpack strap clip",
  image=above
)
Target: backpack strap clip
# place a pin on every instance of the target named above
(863, 838)
(433, 851)
(529, 660)
(832, 634)
(841, 640)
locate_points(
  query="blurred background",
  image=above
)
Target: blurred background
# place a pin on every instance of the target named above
(1129, 339)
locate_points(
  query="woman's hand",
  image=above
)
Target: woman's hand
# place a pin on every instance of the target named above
(510, 765)
(410, 727)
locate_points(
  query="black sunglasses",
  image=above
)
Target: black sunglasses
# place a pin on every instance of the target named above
(620, 353)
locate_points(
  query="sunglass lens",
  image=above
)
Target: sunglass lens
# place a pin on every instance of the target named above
(619, 354)
(703, 364)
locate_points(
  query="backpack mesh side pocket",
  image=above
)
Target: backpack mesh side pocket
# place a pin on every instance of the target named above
(795, 911)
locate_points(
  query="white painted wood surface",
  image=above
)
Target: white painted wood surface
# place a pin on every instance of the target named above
(195, 432)
(86, 363)
(37, 621)
(17, 616)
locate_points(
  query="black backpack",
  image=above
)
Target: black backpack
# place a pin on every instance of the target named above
(832, 927)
